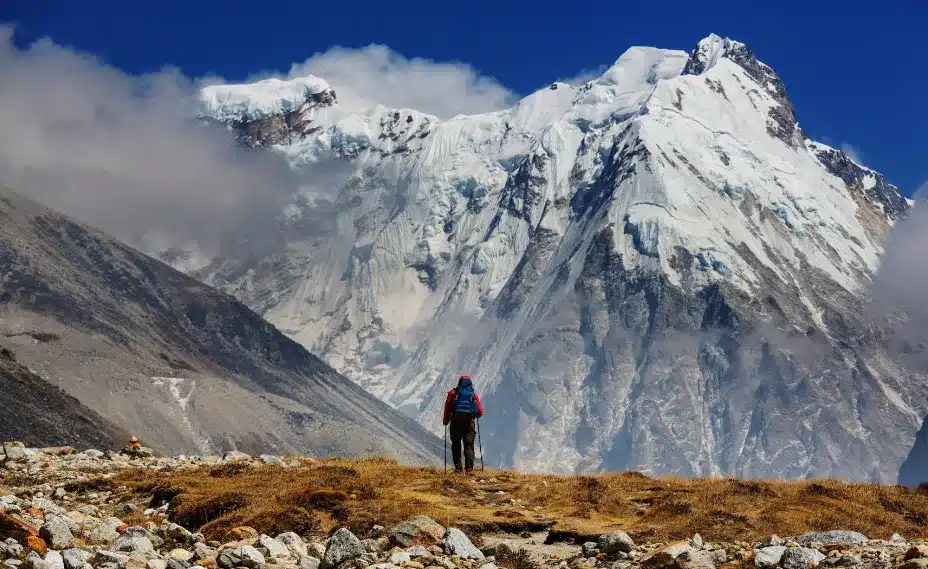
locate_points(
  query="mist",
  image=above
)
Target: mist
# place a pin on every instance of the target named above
(126, 153)
(899, 296)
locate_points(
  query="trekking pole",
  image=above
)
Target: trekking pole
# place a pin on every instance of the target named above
(446, 450)
(480, 442)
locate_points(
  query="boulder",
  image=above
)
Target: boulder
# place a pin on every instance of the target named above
(308, 562)
(842, 537)
(56, 532)
(54, 560)
(615, 542)
(243, 556)
(133, 540)
(772, 540)
(342, 546)
(15, 451)
(271, 548)
(294, 543)
(666, 557)
(156, 564)
(801, 558)
(769, 557)
(75, 558)
(419, 530)
(174, 563)
(456, 543)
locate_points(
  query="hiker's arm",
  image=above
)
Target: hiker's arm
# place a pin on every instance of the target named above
(447, 415)
(479, 405)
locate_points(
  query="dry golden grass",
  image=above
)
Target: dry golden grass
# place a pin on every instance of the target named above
(321, 495)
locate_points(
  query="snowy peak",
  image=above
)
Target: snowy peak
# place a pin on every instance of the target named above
(262, 99)
(710, 50)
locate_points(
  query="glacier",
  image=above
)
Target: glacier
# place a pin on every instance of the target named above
(656, 270)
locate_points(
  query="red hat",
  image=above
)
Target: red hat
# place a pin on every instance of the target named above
(464, 377)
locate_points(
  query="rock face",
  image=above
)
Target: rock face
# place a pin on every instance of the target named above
(185, 367)
(656, 270)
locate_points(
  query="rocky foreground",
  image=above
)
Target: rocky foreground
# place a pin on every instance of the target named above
(53, 515)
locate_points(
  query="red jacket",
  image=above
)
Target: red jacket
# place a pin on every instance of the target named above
(449, 406)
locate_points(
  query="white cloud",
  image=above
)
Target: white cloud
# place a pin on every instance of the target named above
(852, 152)
(122, 153)
(375, 74)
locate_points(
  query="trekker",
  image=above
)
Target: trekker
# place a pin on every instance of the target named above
(462, 409)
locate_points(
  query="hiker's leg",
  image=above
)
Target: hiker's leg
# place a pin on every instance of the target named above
(457, 433)
(469, 437)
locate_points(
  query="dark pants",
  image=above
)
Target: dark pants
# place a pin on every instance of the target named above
(463, 430)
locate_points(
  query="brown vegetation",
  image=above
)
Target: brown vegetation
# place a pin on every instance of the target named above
(321, 495)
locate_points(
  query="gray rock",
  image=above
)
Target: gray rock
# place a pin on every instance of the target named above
(419, 528)
(272, 548)
(100, 532)
(400, 557)
(174, 563)
(15, 451)
(842, 537)
(244, 556)
(308, 562)
(112, 558)
(342, 546)
(801, 558)
(294, 543)
(156, 564)
(54, 560)
(93, 453)
(418, 551)
(696, 559)
(57, 533)
(13, 550)
(60, 493)
(696, 541)
(75, 558)
(133, 541)
(35, 561)
(456, 543)
(316, 549)
(203, 551)
(772, 540)
(177, 534)
(12, 564)
(589, 549)
(896, 538)
(769, 557)
(615, 542)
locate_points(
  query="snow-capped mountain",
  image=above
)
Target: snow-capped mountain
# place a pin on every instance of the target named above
(656, 270)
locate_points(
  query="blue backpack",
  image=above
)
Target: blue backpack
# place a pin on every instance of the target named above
(464, 401)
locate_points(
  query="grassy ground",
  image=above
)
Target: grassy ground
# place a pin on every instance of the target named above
(320, 495)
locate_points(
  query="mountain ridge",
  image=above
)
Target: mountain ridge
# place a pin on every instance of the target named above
(663, 237)
(175, 362)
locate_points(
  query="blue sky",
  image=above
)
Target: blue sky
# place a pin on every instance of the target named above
(855, 71)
